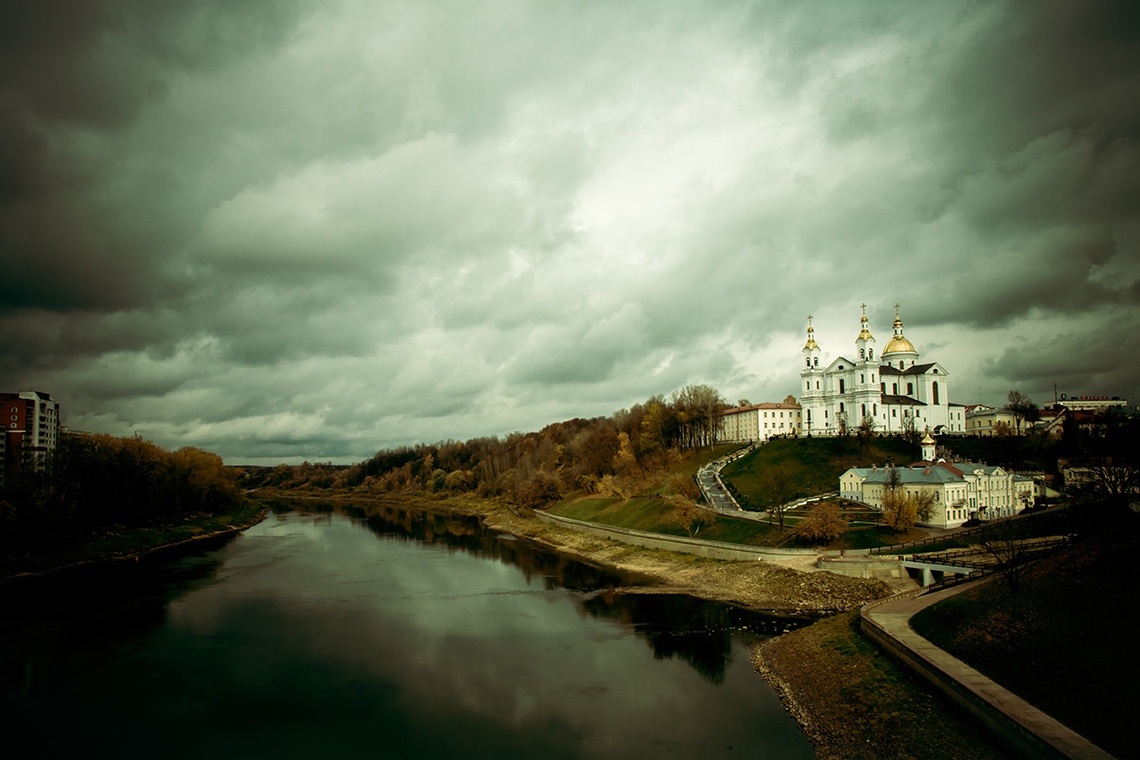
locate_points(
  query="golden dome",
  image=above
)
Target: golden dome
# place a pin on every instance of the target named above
(899, 344)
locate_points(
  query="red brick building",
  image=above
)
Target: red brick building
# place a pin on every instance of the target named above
(31, 430)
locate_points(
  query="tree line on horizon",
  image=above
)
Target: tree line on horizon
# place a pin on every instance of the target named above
(94, 482)
(605, 455)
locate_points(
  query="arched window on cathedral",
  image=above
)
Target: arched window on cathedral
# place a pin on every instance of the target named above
(910, 389)
(934, 391)
(841, 385)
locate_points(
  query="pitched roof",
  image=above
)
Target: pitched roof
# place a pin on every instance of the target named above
(902, 400)
(917, 369)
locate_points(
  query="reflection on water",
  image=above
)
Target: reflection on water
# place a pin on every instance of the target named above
(309, 637)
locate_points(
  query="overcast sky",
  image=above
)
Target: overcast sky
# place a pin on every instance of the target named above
(311, 230)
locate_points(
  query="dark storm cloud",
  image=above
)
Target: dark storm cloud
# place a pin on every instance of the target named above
(309, 230)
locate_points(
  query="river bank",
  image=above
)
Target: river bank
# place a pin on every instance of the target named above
(847, 696)
(131, 544)
(850, 699)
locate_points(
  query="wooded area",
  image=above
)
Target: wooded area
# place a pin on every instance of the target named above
(96, 482)
(607, 455)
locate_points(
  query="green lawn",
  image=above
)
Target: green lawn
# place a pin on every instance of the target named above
(813, 465)
(658, 516)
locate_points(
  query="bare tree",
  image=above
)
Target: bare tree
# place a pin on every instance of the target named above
(1022, 408)
(910, 428)
(865, 431)
(1005, 543)
(779, 484)
(1108, 481)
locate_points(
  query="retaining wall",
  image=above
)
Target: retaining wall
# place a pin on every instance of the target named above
(1021, 727)
(863, 567)
(683, 544)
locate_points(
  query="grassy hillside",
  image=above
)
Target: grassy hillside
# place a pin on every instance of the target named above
(810, 466)
(1065, 645)
(658, 516)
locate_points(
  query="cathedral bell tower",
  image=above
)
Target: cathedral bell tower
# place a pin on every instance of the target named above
(865, 342)
(865, 378)
(811, 385)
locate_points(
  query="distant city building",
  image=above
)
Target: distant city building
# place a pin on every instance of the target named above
(31, 430)
(984, 420)
(1092, 403)
(759, 422)
(893, 390)
(960, 490)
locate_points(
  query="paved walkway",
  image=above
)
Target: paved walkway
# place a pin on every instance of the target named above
(1028, 729)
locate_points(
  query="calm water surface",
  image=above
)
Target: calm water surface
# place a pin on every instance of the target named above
(382, 632)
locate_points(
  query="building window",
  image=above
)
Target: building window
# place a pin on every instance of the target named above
(910, 389)
(894, 389)
(841, 384)
(934, 390)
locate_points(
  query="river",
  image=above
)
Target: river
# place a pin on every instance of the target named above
(380, 631)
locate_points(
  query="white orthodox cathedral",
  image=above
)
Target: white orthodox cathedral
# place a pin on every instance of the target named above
(892, 389)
